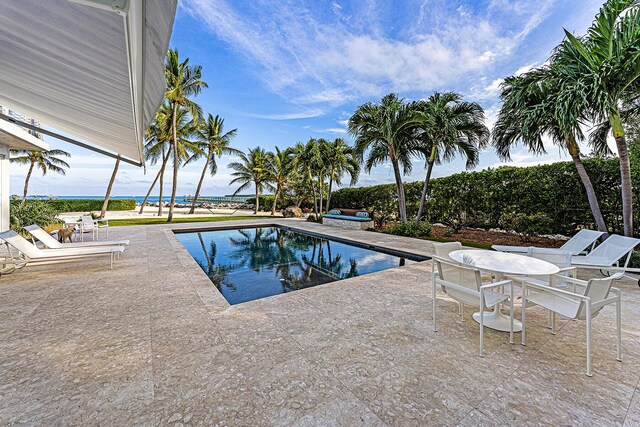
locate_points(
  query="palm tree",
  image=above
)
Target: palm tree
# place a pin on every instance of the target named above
(386, 131)
(158, 136)
(307, 158)
(252, 169)
(280, 170)
(601, 73)
(449, 125)
(103, 211)
(532, 109)
(183, 81)
(341, 159)
(46, 160)
(212, 141)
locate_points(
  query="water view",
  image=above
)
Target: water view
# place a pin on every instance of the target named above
(252, 263)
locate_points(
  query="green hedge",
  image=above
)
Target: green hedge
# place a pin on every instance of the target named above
(266, 202)
(85, 205)
(483, 198)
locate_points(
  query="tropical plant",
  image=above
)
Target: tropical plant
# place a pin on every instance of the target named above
(601, 73)
(341, 159)
(532, 109)
(308, 159)
(212, 141)
(252, 169)
(158, 137)
(449, 125)
(281, 168)
(46, 160)
(183, 81)
(35, 212)
(385, 131)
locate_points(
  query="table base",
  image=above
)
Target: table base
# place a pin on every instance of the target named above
(498, 321)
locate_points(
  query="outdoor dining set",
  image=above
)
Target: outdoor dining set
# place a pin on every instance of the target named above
(534, 276)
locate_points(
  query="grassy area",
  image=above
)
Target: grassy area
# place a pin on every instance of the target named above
(464, 242)
(146, 221)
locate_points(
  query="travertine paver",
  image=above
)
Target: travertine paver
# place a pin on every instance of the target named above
(153, 342)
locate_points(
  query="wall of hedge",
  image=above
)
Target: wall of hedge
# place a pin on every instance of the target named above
(266, 202)
(87, 205)
(482, 198)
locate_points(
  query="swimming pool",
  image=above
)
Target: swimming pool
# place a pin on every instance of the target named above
(251, 263)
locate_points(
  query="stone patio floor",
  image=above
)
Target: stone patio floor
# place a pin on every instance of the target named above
(152, 342)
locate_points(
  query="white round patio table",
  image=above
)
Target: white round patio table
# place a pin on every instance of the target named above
(502, 263)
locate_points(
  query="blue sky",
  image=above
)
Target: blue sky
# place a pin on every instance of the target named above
(283, 71)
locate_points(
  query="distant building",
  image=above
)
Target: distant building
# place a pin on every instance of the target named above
(22, 118)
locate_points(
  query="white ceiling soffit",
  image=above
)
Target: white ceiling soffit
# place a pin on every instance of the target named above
(92, 69)
(19, 139)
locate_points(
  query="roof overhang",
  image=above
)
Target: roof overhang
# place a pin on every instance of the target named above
(15, 138)
(91, 69)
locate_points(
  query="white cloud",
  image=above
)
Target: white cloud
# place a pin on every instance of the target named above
(313, 58)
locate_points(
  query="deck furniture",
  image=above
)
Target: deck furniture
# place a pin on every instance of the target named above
(464, 285)
(30, 254)
(608, 255)
(349, 218)
(502, 264)
(582, 241)
(89, 225)
(584, 304)
(38, 233)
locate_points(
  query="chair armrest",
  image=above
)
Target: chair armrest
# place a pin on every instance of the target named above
(497, 284)
(554, 290)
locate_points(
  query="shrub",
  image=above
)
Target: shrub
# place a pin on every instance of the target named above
(34, 212)
(482, 198)
(410, 229)
(312, 218)
(527, 225)
(84, 205)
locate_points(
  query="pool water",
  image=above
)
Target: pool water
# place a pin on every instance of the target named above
(251, 263)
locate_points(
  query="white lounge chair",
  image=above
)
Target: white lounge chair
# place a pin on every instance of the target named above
(608, 256)
(89, 225)
(464, 284)
(38, 233)
(584, 304)
(578, 244)
(30, 254)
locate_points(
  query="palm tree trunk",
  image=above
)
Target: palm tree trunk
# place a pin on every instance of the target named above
(161, 184)
(402, 201)
(153, 184)
(175, 162)
(255, 212)
(625, 173)
(204, 171)
(425, 187)
(320, 192)
(329, 192)
(574, 151)
(109, 187)
(315, 195)
(275, 201)
(26, 185)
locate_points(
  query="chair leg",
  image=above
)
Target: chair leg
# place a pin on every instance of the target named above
(553, 322)
(588, 304)
(511, 317)
(619, 330)
(433, 297)
(523, 338)
(462, 311)
(481, 324)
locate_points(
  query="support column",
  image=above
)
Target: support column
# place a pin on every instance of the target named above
(4, 188)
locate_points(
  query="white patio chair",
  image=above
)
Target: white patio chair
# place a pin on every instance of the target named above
(30, 254)
(38, 233)
(89, 225)
(608, 255)
(584, 304)
(582, 241)
(464, 285)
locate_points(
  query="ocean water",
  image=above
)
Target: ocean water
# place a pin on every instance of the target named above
(139, 199)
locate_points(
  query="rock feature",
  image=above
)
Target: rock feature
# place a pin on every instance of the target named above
(292, 212)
